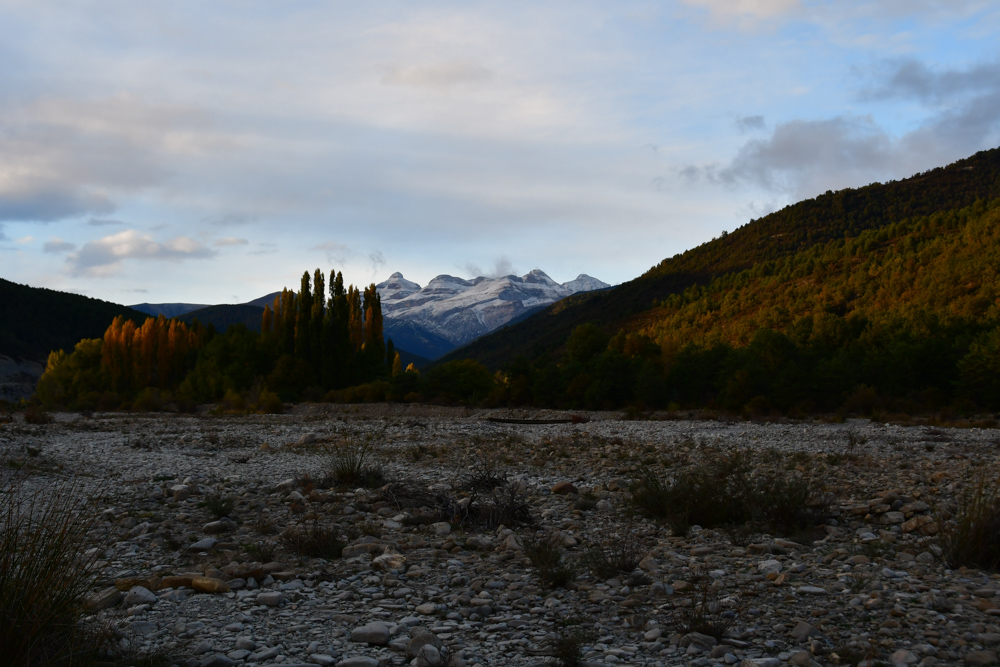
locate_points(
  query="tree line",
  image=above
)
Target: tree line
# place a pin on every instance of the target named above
(312, 342)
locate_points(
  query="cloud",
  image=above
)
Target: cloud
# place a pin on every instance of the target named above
(24, 240)
(439, 75)
(804, 158)
(746, 13)
(750, 123)
(105, 256)
(265, 248)
(230, 241)
(912, 79)
(502, 266)
(65, 158)
(336, 253)
(104, 222)
(377, 260)
(56, 245)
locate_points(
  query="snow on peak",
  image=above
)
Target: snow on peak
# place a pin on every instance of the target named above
(585, 283)
(396, 287)
(461, 310)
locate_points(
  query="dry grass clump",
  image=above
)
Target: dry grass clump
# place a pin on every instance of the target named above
(729, 490)
(355, 465)
(547, 559)
(972, 538)
(46, 573)
(705, 610)
(312, 539)
(36, 415)
(567, 647)
(220, 506)
(617, 552)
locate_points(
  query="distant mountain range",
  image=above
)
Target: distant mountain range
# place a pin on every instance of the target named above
(425, 321)
(449, 312)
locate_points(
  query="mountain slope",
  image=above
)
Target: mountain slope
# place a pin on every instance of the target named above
(37, 321)
(223, 316)
(832, 216)
(459, 310)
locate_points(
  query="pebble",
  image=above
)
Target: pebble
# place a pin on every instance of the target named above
(435, 594)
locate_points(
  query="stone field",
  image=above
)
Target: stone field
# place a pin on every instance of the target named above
(208, 530)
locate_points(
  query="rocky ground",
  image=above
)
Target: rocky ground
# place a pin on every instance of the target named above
(421, 578)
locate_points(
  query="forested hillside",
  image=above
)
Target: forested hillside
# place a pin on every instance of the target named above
(840, 215)
(883, 297)
(36, 321)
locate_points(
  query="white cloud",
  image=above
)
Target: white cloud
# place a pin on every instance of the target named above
(438, 75)
(230, 241)
(56, 245)
(105, 256)
(66, 157)
(746, 13)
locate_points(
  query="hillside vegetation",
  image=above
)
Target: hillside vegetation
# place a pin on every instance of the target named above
(832, 216)
(882, 297)
(36, 320)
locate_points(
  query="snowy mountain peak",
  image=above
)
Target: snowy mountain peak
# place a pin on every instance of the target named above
(460, 310)
(585, 283)
(397, 287)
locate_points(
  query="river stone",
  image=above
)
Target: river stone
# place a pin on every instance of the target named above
(358, 661)
(374, 633)
(269, 598)
(563, 488)
(421, 638)
(140, 595)
(209, 585)
(981, 658)
(203, 544)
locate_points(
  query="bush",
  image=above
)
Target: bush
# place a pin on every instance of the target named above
(354, 466)
(567, 647)
(36, 415)
(619, 552)
(313, 540)
(727, 492)
(548, 562)
(972, 538)
(220, 506)
(46, 573)
(705, 612)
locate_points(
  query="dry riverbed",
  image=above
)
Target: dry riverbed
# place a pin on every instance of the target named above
(431, 569)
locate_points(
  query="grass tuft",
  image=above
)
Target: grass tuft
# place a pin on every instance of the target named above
(355, 466)
(313, 540)
(547, 559)
(220, 506)
(972, 538)
(726, 491)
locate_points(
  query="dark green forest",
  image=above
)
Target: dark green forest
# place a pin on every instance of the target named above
(882, 298)
(36, 321)
(311, 342)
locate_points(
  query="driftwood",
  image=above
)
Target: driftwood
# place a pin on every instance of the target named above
(503, 420)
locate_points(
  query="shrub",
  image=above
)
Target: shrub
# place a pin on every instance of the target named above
(567, 647)
(220, 506)
(548, 562)
(46, 573)
(619, 552)
(705, 611)
(726, 492)
(972, 538)
(354, 465)
(485, 473)
(313, 540)
(36, 415)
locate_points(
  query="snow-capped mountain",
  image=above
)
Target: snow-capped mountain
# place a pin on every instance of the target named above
(459, 310)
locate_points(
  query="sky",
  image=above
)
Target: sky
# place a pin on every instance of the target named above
(212, 151)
